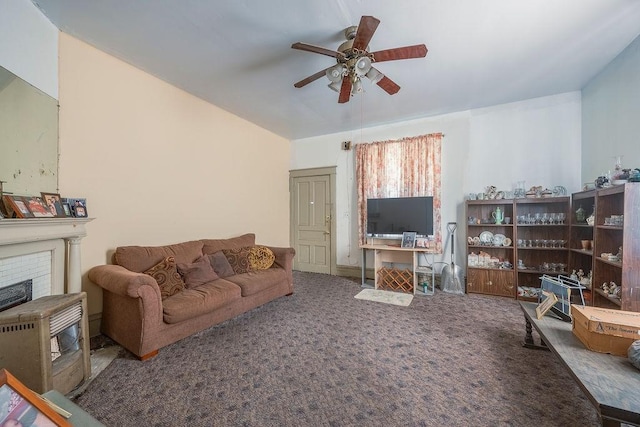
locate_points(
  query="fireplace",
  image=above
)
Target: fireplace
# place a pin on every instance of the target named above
(16, 294)
(44, 250)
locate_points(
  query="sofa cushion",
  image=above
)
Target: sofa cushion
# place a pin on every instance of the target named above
(199, 300)
(141, 258)
(239, 259)
(197, 273)
(261, 258)
(214, 245)
(258, 280)
(167, 276)
(221, 265)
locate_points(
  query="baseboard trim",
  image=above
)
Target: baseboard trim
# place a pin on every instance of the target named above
(353, 271)
(95, 320)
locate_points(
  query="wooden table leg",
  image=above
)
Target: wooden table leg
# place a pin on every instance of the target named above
(528, 338)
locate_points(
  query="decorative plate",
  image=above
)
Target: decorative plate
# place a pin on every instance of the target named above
(486, 238)
(498, 239)
(507, 242)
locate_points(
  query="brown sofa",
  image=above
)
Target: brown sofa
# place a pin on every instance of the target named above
(136, 315)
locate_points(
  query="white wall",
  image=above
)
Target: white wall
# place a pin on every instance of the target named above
(536, 140)
(29, 45)
(611, 115)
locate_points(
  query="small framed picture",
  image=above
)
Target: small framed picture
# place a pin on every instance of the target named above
(409, 239)
(16, 206)
(52, 200)
(67, 209)
(38, 207)
(78, 207)
(21, 406)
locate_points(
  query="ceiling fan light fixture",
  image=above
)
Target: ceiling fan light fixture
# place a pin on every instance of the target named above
(374, 75)
(336, 73)
(335, 86)
(357, 87)
(362, 66)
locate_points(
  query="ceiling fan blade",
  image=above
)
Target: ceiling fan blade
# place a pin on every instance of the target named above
(345, 90)
(316, 49)
(406, 52)
(366, 28)
(388, 85)
(311, 78)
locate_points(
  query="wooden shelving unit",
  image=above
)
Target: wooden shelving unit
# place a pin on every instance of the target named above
(610, 238)
(538, 244)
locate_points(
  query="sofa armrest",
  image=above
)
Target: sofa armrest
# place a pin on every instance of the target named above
(284, 260)
(284, 257)
(120, 281)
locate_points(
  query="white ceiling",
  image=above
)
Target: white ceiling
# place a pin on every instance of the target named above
(237, 54)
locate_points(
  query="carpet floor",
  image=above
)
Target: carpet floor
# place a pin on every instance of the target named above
(324, 358)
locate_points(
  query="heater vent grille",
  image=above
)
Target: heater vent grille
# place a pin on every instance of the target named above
(17, 327)
(63, 319)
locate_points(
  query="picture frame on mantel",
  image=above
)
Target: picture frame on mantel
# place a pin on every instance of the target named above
(20, 404)
(16, 206)
(54, 203)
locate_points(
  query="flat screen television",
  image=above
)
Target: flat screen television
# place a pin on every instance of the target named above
(393, 216)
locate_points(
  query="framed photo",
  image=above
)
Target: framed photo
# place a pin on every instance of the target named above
(16, 206)
(67, 209)
(38, 207)
(21, 406)
(78, 207)
(52, 200)
(409, 239)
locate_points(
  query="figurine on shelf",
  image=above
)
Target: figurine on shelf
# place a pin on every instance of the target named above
(574, 276)
(580, 215)
(605, 287)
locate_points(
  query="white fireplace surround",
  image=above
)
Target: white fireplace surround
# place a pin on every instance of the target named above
(60, 236)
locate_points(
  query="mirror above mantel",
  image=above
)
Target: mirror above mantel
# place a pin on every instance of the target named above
(28, 137)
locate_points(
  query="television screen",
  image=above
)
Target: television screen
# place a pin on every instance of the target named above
(393, 216)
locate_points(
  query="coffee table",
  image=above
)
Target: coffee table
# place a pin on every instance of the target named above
(611, 383)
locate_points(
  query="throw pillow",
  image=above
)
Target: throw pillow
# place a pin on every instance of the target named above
(239, 259)
(261, 258)
(197, 272)
(167, 276)
(221, 265)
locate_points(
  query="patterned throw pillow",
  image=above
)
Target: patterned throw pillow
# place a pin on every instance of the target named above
(197, 272)
(261, 258)
(239, 259)
(166, 274)
(221, 265)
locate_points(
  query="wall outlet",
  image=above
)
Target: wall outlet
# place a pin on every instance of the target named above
(346, 145)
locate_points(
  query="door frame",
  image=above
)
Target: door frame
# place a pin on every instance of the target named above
(303, 173)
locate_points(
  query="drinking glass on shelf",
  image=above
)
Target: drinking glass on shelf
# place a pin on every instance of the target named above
(544, 219)
(538, 218)
(553, 218)
(561, 217)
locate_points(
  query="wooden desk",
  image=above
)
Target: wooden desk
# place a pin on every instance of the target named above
(396, 254)
(611, 383)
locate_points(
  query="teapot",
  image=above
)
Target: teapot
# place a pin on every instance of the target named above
(498, 215)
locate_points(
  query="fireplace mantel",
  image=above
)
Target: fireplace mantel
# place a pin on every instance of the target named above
(29, 230)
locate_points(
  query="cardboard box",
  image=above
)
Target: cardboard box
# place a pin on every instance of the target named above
(604, 330)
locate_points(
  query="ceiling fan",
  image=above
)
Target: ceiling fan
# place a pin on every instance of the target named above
(354, 61)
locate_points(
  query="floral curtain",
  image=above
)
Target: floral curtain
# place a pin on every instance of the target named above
(409, 167)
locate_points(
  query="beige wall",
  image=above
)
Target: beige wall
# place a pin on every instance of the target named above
(158, 165)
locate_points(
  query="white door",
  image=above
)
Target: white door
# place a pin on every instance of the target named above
(311, 223)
